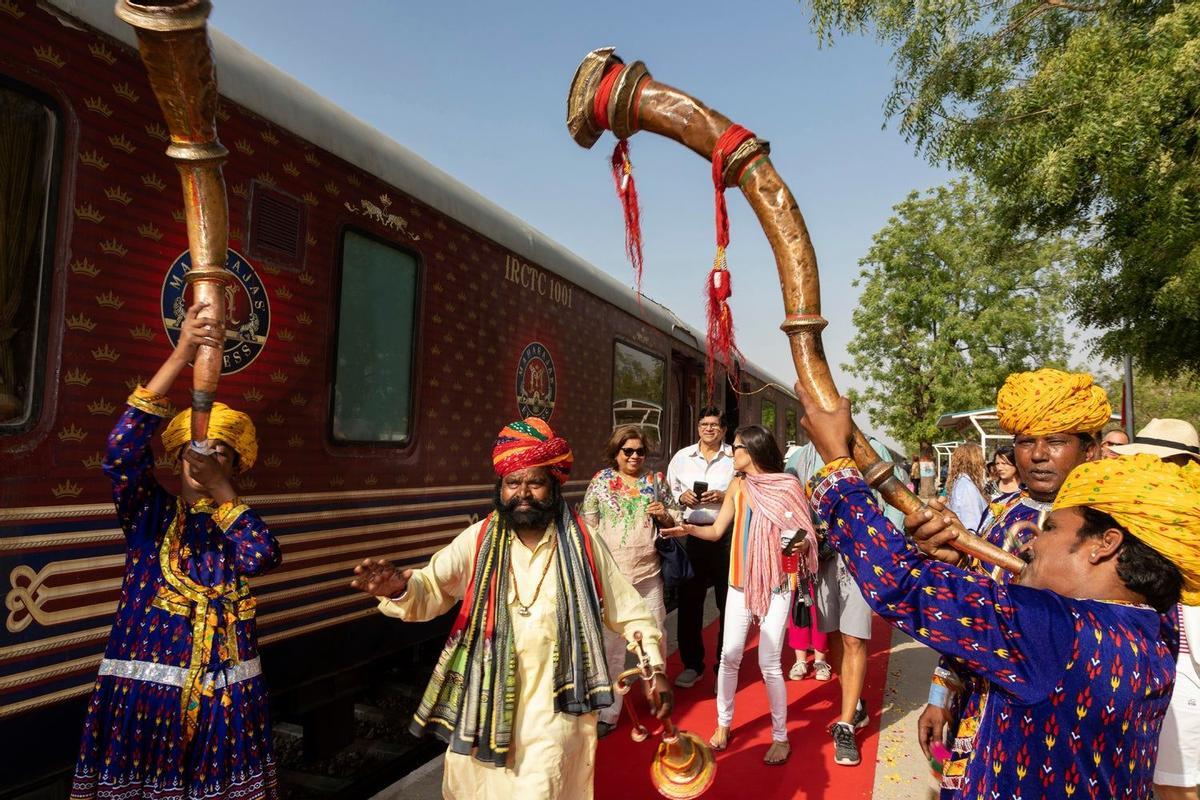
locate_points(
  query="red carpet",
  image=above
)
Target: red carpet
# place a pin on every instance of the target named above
(623, 766)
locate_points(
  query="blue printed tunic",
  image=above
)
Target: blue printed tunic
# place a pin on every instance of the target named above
(1077, 689)
(167, 720)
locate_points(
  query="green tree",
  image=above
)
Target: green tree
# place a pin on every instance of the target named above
(1084, 117)
(1164, 398)
(951, 303)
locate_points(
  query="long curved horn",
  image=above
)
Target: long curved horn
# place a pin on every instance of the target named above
(173, 42)
(638, 102)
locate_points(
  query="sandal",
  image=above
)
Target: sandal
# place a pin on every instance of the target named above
(822, 671)
(799, 670)
(774, 749)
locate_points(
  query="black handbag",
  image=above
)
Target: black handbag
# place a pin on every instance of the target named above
(802, 603)
(676, 567)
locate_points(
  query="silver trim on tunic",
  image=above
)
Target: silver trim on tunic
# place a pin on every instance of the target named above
(168, 675)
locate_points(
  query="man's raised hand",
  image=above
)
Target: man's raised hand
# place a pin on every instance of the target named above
(930, 530)
(377, 576)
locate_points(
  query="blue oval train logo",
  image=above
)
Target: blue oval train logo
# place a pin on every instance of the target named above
(537, 383)
(248, 310)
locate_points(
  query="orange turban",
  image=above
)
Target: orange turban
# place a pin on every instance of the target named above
(531, 443)
(1157, 502)
(1051, 401)
(232, 427)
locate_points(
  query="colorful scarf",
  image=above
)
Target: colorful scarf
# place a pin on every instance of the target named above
(471, 698)
(778, 504)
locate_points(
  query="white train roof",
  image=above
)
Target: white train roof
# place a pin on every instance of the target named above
(273, 94)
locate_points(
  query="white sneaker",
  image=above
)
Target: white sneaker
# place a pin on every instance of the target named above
(799, 670)
(687, 679)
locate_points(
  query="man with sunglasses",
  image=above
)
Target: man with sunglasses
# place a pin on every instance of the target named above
(706, 466)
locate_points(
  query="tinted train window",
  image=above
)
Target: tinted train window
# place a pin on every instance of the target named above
(768, 416)
(791, 431)
(639, 385)
(372, 382)
(28, 166)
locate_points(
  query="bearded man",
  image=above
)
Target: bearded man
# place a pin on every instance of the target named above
(515, 691)
(1053, 417)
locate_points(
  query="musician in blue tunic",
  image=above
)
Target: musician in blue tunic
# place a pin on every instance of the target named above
(179, 709)
(1078, 657)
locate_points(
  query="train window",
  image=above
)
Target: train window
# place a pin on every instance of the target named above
(768, 416)
(28, 169)
(791, 431)
(639, 388)
(372, 383)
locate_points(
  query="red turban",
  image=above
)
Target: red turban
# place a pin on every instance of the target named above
(530, 443)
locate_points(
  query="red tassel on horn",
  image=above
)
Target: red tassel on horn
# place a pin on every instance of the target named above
(622, 170)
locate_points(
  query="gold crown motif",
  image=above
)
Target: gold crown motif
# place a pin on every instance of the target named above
(279, 376)
(284, 293)
(370, 480)
(10, 8)
(93, 462)
(100, 50)
(109, 300)
(337, 480)
(309, 198)
(247, 483)
(239, 190)
(101, 407)
(303, 318)
(291, 169)
(252, 395)
(152, 181)
(307, 278)
(235, 233)
(270, 269)
(89, 212)
(84, 266)
(134, 382)
(46, 53)
(142, 333)
(98, 105)
(243, 147)
(285, 334)
(105, 353)
(292, 483)
(94, 159)
(310, 240)
(157, 131)
(123, 89)
(71, 433)
(332, 189)
(295, 440)
(113, 248)
(275, 419)
(299, 400)
(269, 137)
(385, 200)
(80, 322)
(267, 179)
(166, 462)
(148, 231)
(222, 112)
(311, 158)
(178, 215)
(272, 461)
(300, 359)
(353, 180)
(67, 488)
(121, 142)
(118, 195)
(76, 377)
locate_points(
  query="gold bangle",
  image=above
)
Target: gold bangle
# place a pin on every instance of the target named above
(150, 402)
(228, 512)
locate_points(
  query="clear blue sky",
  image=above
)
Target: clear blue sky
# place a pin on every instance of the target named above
(479, 90)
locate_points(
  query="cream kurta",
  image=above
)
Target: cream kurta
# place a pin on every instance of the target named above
(553, 755)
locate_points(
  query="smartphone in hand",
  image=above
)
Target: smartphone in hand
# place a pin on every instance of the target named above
(699, 488)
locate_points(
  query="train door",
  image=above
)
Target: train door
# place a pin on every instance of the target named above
(686, 374)
(733, 416)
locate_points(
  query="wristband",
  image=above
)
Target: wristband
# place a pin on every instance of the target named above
(939, 696)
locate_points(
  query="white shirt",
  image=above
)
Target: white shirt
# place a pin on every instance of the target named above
(688, 466)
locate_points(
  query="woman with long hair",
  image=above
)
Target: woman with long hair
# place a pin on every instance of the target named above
(764, 506)
(964, 485)
(623, 505)
(1005, 466)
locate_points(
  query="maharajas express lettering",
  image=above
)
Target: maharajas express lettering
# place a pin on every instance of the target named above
(538, 281)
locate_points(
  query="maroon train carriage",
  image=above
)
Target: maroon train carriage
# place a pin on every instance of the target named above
(386, 322)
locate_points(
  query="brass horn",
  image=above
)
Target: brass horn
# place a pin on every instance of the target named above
(683, 766)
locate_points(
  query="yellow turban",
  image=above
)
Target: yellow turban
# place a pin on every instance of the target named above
(1051, 401)
(232, 427)
(1157, 502)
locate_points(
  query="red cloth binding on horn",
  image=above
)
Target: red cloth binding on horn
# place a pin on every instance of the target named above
(622, 171)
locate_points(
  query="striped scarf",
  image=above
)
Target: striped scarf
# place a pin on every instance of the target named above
(471, 697)
(778, 504)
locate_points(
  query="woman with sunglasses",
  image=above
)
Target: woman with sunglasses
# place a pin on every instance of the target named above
(625, 505)
(766, 507)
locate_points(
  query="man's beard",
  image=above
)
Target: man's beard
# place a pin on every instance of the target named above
(537, 516)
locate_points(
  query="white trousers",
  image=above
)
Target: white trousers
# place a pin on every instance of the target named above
(772, 632)
(616, 648)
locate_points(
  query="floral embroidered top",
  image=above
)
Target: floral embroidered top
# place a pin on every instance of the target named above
(616, 512)
(1077, 689)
